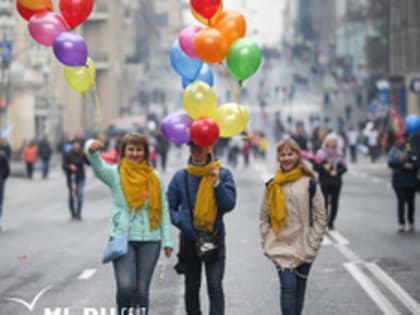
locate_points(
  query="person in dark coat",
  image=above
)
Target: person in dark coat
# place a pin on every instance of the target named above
(199, 196)
(44, 153)
(4, 174)
(74, 168)
(403, 162)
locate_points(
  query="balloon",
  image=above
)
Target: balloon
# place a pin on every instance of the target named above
(185, 66)
(205, 75)
(204, 21)
(35, 5)
(204, 132)
(412, 123)
(206, 8)
(75, 12)
(70, 49)
(232, 119)
(232, 25)
(175, 127)
(45, 26)
(210, 45)
(199, 100)
(244, 58)
(186, 40)
(81, 78)
(27, 13)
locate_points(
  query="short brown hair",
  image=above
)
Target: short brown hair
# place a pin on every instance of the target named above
(135, 138)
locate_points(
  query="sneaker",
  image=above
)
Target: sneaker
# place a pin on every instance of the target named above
(401, 228)
(411, 227)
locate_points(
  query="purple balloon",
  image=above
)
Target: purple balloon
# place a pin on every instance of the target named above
(176, 127)
(70, 49)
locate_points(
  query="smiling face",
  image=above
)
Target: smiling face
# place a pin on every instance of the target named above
(135, 152)
(288, 158)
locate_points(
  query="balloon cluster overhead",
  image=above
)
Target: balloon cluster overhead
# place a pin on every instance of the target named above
(219, 41)
(51, 29)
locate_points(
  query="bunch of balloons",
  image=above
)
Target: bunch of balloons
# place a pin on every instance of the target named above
(51, 29)
(220, 40)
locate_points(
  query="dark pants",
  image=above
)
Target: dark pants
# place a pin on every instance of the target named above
(331, 195)
(133, 274)
(353, 153)
(405, 196)
(292, 292)
(29, 169)
(214, 275)
(45, 165)
(75, 188)
(163, 159)
(2, 182)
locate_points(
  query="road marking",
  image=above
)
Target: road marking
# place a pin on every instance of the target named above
(326, 241)
(340, 239)
(380, 300)
(87, 274)
(347, 252)
(30, 306)
(396, 289)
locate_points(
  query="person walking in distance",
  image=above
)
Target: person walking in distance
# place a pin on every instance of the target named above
(30, 156)
(199, 196)
(4, 174)
(292, 224)
(139, 197)
(402, 161)
(331, 169)
(74, 168)
(45, 152)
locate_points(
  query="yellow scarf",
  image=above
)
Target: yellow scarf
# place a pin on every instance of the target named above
(139, 182)
(276, 198)
(205, 209)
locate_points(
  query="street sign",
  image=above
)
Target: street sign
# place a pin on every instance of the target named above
(6, 50)
(415, 85)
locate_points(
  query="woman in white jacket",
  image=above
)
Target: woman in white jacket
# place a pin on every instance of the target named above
(292, 224)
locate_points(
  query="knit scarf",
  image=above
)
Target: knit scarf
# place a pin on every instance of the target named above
(205, 209)
(276, 197)
(139, 182)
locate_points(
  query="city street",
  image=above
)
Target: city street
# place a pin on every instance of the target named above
(52, 264)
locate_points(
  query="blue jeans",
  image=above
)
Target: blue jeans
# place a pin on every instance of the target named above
(76, 196)
(293, 285)
(214, 275)
(133, 273)
(45, 168)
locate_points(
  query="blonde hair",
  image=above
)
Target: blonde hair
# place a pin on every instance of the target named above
(294, 146)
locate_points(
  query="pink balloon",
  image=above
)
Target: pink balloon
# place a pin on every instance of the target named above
(45, 26)
(186, 40)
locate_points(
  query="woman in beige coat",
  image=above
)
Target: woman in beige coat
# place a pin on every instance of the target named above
(292, 226)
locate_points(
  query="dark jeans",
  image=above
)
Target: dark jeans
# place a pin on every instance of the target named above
(45, 168)
(353, 153)
(292, 292)
(75, 188)
(405, 196)
(214, 275)
(29, 169)
(2, 182)
(133, 273)
(331, 195)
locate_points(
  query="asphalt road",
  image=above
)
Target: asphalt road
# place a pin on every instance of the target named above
(366, 267)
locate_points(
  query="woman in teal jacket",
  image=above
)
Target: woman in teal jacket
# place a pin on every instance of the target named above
(138, 194)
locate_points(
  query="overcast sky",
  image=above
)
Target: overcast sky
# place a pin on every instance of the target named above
(263, 17)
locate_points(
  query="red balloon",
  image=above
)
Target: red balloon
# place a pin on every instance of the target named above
(204, 132)
(27, 13)
(75, 12)
(206, 8)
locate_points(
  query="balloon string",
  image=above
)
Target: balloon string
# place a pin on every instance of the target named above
(98, 107)
(235, 94)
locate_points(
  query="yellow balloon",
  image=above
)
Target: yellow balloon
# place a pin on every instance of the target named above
(205, 21)
(199, 100)
(232, 119)
(81, 78)
(35, 5)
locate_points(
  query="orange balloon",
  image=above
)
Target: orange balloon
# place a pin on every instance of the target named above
(35, 5)
(232, 25)
(210, 45)
(205, 21)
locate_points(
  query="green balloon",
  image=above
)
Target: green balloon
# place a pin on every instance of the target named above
(244, 58)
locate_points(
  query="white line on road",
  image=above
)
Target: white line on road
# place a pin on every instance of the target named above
(380, 300)
(326, 241)
(87, 274)
(340, 239)
(396, 289)
(347, 252)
